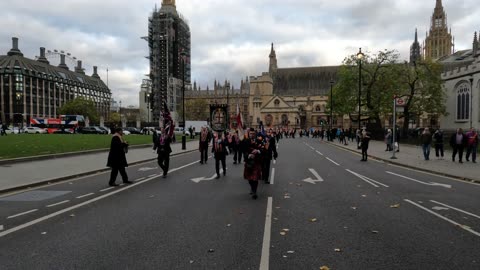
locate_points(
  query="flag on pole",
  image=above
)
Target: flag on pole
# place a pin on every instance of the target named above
(240, 123)
(168, 123)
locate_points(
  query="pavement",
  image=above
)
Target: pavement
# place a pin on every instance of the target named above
(31, 173)
(412, 157)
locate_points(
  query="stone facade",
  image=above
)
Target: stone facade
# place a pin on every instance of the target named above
(439, 40)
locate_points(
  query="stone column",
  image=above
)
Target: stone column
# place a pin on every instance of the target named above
(11, 96)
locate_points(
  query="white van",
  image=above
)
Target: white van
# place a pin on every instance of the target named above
(179, 131)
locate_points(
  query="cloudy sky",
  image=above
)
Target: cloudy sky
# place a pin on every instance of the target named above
(230, 38)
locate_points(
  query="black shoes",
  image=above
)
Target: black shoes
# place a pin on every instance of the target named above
(254, 196)
(164, 176)
(218, 176)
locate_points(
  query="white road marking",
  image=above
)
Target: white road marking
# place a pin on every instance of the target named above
(366, 179)
(459, 210)
(200, 179)
(140, 179)
(433, 174)
(421, 182)
(21, 214)
(333, 161)
(144, 169)
(439, 208)
(274, 161)
(319, 153)
(2, 228)
(444, 218)
(272, 176)
(312, 181)
(152, 175)
(105, 189)
(265, 258)
(86, 195)
(55, 204)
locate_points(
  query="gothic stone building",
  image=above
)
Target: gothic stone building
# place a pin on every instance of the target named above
(293, 97)
(439, 41)
(34, 88)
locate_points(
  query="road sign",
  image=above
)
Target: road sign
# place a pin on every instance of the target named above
(400, 109)
(400, 102)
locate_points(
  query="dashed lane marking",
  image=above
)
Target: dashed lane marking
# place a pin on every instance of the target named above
(272, 176)
(86, 195)
(152, 175)
(444, 218)
(318, 152)
(459, 210)
(140, 179)
(265, 258)
(55, 204)
(105, 189)
(23, 213)
(332, 161)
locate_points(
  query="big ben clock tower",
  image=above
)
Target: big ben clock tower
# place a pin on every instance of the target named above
(439, 41)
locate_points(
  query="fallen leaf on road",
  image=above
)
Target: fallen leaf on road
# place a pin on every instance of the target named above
(286, 197)
(72, 215)
(338, 250)
(283, 233)
(313, 219)
(151, 196)
(211, 250)
(275, 218)
(290, 252)
(191, 261)
(374, 231)
(71, 183)
(354, 207)
(299, 185)
(324, 268)
(291, 183)
(395, 205)
(228, 225)
(345, 227)
(364, 195)
(284, 256)
(278, 207)
(285, 230)
(44, 232)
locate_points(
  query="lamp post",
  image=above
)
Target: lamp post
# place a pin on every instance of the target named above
(184, 139)
(331, 104)
(360, 56)
(20, 118)
(148, 108)
(471, 102)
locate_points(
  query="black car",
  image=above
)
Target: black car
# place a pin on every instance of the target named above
(105, 129)
(91, 130)
(102, 131)
(133, 130)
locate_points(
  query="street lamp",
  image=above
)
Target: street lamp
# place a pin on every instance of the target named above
(471, 102)
(184, 139)
(360, 56)
(20, 118)
(331, 104)
(148, 108)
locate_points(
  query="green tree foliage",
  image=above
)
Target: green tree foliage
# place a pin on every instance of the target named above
(383, 77)
(196, 109)
(114, 117)
(81, 106)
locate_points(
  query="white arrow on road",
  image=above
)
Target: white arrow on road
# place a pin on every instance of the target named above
(312, 181)
(200, 179)
(418, 181)
(144, 169)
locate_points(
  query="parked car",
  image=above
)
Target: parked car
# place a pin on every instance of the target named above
(133, 130)
(35, 130)
(64, 131)
(102, 131)
(179, 131)
(126, 132)
(91, 130)
(11, 130)
(107, 130)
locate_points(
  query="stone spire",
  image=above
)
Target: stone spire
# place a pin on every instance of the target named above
(415, 51)
(439, 41)
(168, 3)
(272, 69)
(475, 45)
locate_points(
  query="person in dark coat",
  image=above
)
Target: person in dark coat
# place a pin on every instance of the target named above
(270, 151)
(162, 145)
(117, 159)
(203, 145)
(237, 155)
(438, 140)
(458, 141)
(219, 150)
(253, 164)
(364, 141)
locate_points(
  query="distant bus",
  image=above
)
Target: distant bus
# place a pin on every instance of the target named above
(71, 122)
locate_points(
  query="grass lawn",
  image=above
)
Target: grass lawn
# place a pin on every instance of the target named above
(24, 145)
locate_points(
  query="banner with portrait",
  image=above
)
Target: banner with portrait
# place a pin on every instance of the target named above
(218, 117)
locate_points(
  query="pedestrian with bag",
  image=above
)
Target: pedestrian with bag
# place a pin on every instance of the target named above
(162, 145)
(117, 159)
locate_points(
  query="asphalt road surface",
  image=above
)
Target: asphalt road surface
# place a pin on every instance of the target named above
(324, 208)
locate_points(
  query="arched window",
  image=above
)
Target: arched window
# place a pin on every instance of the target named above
(276, 103)
(463, 102)
(318, 108)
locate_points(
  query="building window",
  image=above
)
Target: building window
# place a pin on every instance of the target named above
(317, 108)
(463, 102)
(276, 103)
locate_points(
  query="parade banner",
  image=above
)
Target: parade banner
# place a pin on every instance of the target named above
(218, 117)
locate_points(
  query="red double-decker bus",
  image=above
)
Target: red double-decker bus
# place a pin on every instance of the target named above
(68, 123)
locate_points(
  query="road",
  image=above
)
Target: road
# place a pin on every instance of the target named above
(324, 208)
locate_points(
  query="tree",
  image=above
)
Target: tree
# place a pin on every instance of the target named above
(81, 106)
(196, 109)
(421, 82)
(378, 85)
(114, 117)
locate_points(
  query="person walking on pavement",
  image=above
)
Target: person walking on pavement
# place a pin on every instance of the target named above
(237, 155)
(364, 144)
(219, 150)
(472, 144)
(203, 145)
(162, 145)
(389, 140)
(426, 139)
(270, 151)
(117, 159)
(458, 141)
(253, 164)
(438, 140)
